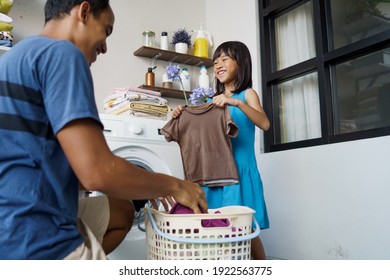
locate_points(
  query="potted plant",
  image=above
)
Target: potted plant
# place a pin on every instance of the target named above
(181, 39)
(173, 74)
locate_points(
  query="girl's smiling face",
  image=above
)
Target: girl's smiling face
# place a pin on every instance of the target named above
(225, 69)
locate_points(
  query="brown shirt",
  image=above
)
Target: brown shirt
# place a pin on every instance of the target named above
(202, 133)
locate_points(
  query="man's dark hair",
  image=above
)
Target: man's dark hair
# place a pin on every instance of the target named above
(55, 9)
(239, 52)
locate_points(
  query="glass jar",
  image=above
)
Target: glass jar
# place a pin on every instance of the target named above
(149, 39)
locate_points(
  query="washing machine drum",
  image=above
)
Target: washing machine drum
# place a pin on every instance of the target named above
(139, 204)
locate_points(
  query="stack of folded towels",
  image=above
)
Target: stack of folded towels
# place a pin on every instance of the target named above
(137, 102)
(6, 38)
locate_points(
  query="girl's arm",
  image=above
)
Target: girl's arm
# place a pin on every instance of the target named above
(252, 108)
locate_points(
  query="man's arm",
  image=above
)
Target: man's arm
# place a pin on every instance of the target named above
(98, 169)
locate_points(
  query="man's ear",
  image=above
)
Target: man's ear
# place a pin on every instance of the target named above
(84, 11)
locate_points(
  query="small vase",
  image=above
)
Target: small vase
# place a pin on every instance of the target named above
(181, 48)
(166, 82)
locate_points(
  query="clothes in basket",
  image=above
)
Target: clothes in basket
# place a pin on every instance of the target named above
(181, 209)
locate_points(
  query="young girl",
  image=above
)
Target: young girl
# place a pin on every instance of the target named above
(233, 73)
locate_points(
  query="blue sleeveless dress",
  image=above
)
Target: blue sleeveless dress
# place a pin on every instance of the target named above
(249, 191)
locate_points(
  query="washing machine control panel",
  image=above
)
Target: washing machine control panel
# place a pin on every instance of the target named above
(136, 128)
(133, 127)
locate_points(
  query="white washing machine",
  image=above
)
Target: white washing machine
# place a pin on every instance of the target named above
(139, 141)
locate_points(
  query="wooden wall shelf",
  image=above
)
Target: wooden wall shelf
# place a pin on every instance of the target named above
(167, 92)
(173, 57)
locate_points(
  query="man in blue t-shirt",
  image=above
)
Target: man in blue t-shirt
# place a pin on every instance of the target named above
(51, 142)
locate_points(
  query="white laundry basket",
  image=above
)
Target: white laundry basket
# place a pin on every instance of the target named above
(182, 236)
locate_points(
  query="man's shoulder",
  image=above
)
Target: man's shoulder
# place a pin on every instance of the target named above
(40, 45)
(46, 41)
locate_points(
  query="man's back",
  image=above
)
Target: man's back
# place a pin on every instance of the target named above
(39, 191)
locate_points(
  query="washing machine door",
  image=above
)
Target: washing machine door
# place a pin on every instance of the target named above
(133, 247)
(145, 158)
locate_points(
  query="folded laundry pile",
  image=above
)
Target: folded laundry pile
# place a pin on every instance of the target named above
(136, 101)
(181, 209)
(6, 38)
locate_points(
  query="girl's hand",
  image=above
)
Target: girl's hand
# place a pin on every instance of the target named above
(222, 100)
(177, 112)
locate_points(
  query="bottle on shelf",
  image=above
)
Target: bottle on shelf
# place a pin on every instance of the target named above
(186, 80)
(202, 42)
(149, 77)
(204, 80)
(164, 41)
(166, 82)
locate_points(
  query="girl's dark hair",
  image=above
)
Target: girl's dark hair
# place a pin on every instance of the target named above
(239, 52)
(57, 8)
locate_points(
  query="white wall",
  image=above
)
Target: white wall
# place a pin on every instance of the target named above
(28, 18)
(119, 67)
(325, 202)
(230, 20)
(329, 202)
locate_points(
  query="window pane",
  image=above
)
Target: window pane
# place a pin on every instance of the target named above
(354, 20)
(299, 110)
(295, 36)
(363, 93)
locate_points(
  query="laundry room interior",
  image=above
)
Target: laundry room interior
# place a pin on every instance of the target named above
(325, 202)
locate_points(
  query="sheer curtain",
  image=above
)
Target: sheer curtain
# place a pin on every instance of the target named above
(299, 110)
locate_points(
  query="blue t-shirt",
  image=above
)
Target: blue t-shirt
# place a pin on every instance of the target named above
(44, 84)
